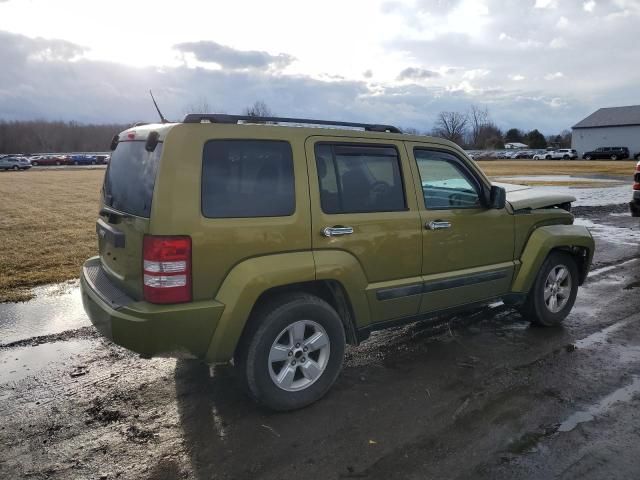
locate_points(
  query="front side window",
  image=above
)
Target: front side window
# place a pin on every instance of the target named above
(247, 178)
(359, 178)
(446, 183)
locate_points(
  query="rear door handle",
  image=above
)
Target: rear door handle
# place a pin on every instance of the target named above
(336, 231)
(437, 225)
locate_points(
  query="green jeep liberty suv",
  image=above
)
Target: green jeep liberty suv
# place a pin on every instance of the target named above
(237, 238)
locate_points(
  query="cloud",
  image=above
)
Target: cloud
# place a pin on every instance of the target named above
(517, 77)
(227, 57)
(553, 76)
(367, 73)
(589, 6)
(413, 73)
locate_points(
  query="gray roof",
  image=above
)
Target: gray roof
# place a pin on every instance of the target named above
(611, 117)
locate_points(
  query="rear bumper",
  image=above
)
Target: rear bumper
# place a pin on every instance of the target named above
(181, 330)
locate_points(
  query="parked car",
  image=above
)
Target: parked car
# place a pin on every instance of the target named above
(40, 160)
(14, 163)
(524, 154)
(564, 153)
(102, 159)
(222, 237)
(613, 153)
(634, 205)
(636, 156)
(543, 155)
(83, 159)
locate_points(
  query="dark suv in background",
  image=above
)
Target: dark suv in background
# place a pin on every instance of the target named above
(614, 153)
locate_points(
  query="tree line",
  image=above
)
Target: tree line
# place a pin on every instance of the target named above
(472, 129)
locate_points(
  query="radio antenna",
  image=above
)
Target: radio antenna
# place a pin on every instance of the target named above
(162, 119)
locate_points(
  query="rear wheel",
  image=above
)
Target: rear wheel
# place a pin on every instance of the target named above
(292, 352)
(554, 291)
(57, 162)
(614, 157)
(587, 157)
(566, 157)
(16, 168)
(35, 164)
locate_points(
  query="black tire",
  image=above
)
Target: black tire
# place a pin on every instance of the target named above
(547, 157)
(93, 162)
(16, 168)
(57, 162)
(265, 328)
(637, 157)
(35, 164)
(587, 157)
(614, 157)
(566, 157)
(535, 308)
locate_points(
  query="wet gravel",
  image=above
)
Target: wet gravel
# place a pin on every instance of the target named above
(481, 395)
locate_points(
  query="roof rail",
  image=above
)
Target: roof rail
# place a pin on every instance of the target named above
(232, 119)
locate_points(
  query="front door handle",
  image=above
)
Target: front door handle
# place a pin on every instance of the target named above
(437, 225)
(336, 231)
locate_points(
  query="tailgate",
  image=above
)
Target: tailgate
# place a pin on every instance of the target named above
(126, 207)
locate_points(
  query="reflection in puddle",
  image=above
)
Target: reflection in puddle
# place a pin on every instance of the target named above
(622, 395)
(19, 363)
(55, 308)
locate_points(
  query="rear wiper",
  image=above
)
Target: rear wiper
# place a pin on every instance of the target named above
(106, 211)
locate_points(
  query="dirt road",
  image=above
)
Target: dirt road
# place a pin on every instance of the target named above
(481, 396)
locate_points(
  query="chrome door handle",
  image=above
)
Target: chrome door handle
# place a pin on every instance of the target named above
(437, 225)
(336, 231)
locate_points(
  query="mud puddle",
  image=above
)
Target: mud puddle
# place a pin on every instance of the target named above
(55, 308)
(19, 363)
(622, 395)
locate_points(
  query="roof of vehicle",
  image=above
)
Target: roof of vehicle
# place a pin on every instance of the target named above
(611, 117)
(299, 125)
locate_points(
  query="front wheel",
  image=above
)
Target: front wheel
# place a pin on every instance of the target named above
(292, 352)
(554, 291)
(614, 157)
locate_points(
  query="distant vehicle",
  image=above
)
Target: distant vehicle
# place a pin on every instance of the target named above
(524, 154)
(613, 153)
(49, 160)
(14, 163)
(543, 155)
(103, 159)
(636, 156)
(84, 160)
(564, 153)
(634, 205)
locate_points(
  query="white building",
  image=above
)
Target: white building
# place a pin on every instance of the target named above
(515, 145)
(608, 127)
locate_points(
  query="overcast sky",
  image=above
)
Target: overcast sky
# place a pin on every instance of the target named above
(533, 63)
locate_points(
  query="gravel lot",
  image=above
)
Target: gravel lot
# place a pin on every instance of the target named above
(482, 395)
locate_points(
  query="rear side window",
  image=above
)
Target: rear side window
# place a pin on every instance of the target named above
(359, 179)
(247, 178)
(131, 177)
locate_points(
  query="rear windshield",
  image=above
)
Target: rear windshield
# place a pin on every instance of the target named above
(130, 178)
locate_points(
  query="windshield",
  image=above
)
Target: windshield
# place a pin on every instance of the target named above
(131, 177)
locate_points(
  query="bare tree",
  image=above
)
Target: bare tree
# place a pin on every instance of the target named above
(201, 105)
(452, 126)
(478, 118)
(259, 109)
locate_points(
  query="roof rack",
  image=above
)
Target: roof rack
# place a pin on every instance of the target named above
(233, 119)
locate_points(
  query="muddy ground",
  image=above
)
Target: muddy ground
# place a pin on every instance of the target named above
(482, 395)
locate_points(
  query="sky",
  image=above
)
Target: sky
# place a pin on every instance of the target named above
(542, 64)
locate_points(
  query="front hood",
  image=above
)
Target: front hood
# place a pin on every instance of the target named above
(521, 197)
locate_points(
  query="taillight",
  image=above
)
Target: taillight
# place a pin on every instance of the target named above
(166, 269)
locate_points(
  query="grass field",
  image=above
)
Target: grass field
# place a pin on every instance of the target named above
(47, 218)
(47, 227)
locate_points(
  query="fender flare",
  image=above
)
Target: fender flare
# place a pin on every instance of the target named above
(241, 289)
(541, 242)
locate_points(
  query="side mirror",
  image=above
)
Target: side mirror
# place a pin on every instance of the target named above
(497, 197)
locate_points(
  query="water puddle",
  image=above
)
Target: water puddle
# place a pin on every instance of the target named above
(622, 395)
(54, 309)
(19, 363)
(600, 336)
(611, 233)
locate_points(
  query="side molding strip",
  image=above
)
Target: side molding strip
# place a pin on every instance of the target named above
(433, 286)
